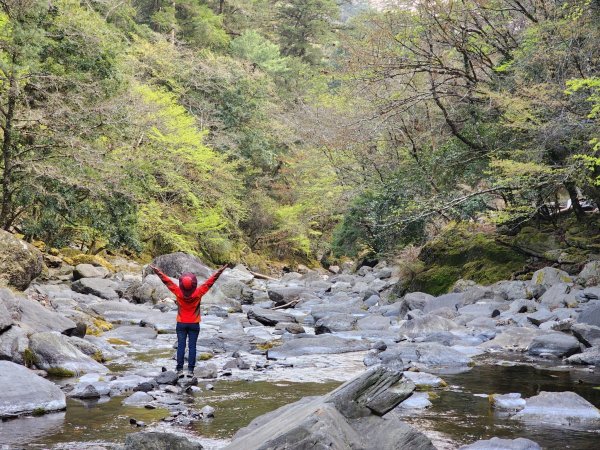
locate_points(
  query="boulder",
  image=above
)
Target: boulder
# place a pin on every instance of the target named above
(20, 262)
(452, 301)
(502, 444)
(280, 295)
(590, 315)
(24, 392)
(419, 400)
(269, 317)
(427, 324)
(549, 276)
(588, 335)
(560, 408)
(150, 290)
(557, 296)
(540, 316)
(13, 343)
(316, 345)
(555, 344)
(590, 274)
(512, 339)
(348, 417)
(167, 377)
(335, 322)
(6, 319)
(154, 440)
(373, 322)
(94, 389)
(52, 350)
(132, 333)
(175, 264)
(32, 316)
(99, 287)
(138, 398)
(590, 356)
(424, 379)
(89, 271)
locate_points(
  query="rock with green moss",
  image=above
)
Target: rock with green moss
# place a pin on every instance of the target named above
(20, 262)
(465, 251)
(550, 276)
(56, 351)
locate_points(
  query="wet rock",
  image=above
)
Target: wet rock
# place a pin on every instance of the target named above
(52, 350)
(555, 344)
(427, 324)
(31, 392)
(138, 399)
(89, 271)
(510, 402)
(90, 390)
(549, 276)
(20, 262)
(418, 400)
(315, 345)
(335, 322)
(590, 356)
(269, 317)
(333, 421)
(424, 379)
(153, 440)
(99, 287)
(207, 411)
(167, 377)
(589, 335)
(502, 444)
(564, 408)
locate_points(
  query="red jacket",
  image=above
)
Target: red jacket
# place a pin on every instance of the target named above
(188, 308)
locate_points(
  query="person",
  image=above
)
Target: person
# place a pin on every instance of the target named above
(189, 295)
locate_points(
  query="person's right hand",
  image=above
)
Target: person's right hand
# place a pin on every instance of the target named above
(154, 268)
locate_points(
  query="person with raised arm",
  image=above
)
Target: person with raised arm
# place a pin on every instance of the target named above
(189, 296)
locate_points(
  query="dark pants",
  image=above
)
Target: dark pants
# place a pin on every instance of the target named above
(183, 331)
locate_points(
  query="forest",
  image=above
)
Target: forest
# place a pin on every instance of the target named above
(258, 130)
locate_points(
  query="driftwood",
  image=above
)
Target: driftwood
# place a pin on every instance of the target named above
(262, 276)
(287, 305)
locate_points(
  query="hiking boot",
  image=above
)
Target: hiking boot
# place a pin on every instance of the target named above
(180, 374)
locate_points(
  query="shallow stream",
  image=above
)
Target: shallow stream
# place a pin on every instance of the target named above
(461, 413)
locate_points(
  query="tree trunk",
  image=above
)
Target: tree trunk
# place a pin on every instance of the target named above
(572, 190)
(5, 212)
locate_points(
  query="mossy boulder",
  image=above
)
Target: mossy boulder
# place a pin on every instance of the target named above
(467, 251)
(20, 262)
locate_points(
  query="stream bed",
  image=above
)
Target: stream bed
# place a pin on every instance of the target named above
(460, 413)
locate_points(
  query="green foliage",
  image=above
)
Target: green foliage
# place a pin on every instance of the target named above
(60, 372)
(258, 50)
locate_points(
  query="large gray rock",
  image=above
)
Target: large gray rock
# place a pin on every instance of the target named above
(587, 334)
(94, 389)
(452, 301)
(373, 322)
(502, 444)
(340, 420)
(23, 392)
(32, 316)
(280, 295)
(427, 324)
(132, 333)
(89, 271)
(558, 295)
(590, 274)
(150, 290)
(561, 408)
(154, 440)
(590, 356)
(269, 317)
(335, 322)
(316, 345)
(175, 264)
(123, 311)
(13, 344)
(555, 344)
(590, 315)
(55, 351)
(6, 319)
(549, 276)
(99, 287)
(512, 339)
(20, 262)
